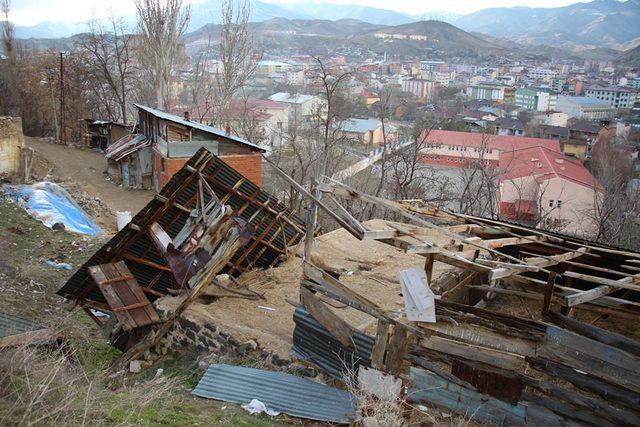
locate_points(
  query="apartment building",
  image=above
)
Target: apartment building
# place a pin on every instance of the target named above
(617, 97)
(536, 98)
(583, 107)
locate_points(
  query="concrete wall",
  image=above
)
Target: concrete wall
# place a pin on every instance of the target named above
(11, 143)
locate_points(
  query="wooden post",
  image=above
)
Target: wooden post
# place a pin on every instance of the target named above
(548, 292)
(428, 267)
(380, 345)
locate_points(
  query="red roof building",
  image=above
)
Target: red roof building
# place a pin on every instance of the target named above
(541, 186)
(462, 149)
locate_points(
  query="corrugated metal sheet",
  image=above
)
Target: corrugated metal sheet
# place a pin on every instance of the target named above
(279, 391)
(239, 193)
(12, 325)
(314, 343)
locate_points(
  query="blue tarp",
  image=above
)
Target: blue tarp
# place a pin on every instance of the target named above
(51, 204)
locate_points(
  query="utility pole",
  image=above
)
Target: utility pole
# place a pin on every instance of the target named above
(63, 131)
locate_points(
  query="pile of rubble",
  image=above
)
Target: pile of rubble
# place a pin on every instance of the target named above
(414, 312)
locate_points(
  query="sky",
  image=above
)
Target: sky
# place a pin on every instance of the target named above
(31, 12)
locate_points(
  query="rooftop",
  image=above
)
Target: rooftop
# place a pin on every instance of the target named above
(498, 142)
(544, 163)
(296, 98)
(364, 125)
(584, 100)
(195, 125)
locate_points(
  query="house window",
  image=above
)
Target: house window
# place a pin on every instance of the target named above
(551, 203)
(559, 203)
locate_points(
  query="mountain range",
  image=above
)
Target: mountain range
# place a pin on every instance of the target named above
(604, 23)
(600, 23)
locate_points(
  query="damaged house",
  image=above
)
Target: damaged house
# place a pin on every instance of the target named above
(174, 140)
(164, 143)
(499, 323)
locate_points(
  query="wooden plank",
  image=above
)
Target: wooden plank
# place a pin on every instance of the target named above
(588, 355)
(337, 327)
(548, 291)
(428, 387)
(124, 296)
(398, 345)
(490, 356)
(380, 346)
(606, 390)
(541, 262)
(502, 385)
(606, 337)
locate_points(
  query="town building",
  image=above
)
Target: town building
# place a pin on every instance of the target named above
(508, 126)
(465, 149)
(543, 74)
(272, 67)
(301, 106)
(582, 107)
(102, 133)
(267, 119)
(536, 98)
(369, 132)
(420, 88)
(540, 186)
(617, 97)
(174, 140)
(488, 91)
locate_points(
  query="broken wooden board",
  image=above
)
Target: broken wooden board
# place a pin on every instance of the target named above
(419, 300)
(591, 356)
(428, 387)
(328, 319)
(124, 296)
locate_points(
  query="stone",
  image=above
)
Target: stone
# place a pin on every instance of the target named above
(135, 366)
(246, 347)
(276, 360)
(188, 324)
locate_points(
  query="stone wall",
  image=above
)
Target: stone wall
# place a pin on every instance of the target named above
(11, 144)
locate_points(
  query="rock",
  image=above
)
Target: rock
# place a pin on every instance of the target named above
(135, 366)
(303, 371)
(246, 347)
(276, 360)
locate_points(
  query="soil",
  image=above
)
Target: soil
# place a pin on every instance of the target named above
(87, 168)
(371, 270)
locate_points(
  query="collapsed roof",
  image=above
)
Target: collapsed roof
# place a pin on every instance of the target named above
(276, 229)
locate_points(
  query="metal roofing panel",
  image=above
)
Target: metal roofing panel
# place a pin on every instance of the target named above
(314, 343)
(12, 325)
(228, 184)
(279, 391)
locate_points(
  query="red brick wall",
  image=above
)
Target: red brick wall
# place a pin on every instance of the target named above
(248, 165)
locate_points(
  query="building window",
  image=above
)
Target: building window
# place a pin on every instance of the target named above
(559, 203)
(551, 203)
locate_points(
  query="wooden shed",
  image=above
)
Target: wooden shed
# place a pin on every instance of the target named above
(175, 140)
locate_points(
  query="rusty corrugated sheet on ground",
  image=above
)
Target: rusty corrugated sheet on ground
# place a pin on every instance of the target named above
(314, 343)
(279, 391)
(276, 228)
(496, 384)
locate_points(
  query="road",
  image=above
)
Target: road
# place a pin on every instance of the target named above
(87, 168)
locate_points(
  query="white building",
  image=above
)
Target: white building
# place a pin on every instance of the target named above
(541, 74)
(617, 97)
(420, 88)
(302, 106)
(583, 107)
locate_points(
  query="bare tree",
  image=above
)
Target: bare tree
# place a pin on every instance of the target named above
(161, 24)
(236, 59)
(616, 205)
(109, 63)
(9, 68)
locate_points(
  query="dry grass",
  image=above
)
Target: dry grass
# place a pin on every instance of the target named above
(48, 387)
(380, 412)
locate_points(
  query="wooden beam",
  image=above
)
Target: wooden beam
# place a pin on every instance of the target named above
(337, 327)
(548, 292)
(380, 346)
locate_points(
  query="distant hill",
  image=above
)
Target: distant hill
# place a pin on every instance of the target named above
(608, 23)
(629, 58)
(444, 35)
(320, 10)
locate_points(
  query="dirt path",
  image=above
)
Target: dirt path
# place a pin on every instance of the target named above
(87, 168)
